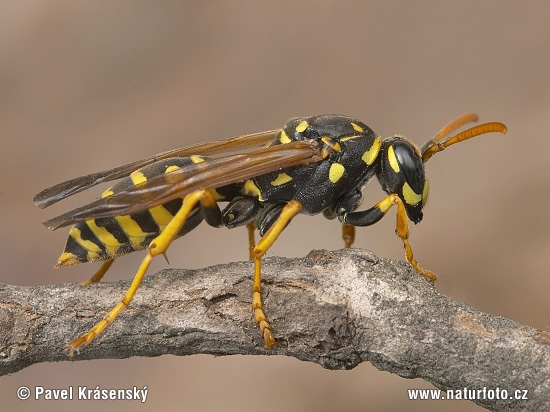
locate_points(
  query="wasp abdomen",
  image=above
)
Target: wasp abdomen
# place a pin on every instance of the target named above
(108, 238)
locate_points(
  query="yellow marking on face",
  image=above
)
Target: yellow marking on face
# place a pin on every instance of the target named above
(370, 155)
(335, 172)
(330, 142)
(66, 259)
(425, 192)
(132, 230)
(411, 197)
(281, 179)
(108, 192)
(172, 168)
(111, 243)
(250, 188)
(196, 159)
(302, 127)
(393, 160)
(283, 138)
(357, 128)
(137, 177)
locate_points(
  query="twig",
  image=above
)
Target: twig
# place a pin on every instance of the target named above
(337, 309)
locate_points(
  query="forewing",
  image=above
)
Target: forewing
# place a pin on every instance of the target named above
(212, 173)
(70, 187)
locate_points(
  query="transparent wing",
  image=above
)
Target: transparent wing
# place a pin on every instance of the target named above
(70, 187)
(211, 173)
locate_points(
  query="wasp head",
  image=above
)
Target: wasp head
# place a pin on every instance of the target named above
(402, 172)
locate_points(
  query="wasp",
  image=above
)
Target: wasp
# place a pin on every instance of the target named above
(312, 165)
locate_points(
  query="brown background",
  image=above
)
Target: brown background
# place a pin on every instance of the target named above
(86, 86)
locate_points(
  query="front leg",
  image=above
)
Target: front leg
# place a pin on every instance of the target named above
(377, 212)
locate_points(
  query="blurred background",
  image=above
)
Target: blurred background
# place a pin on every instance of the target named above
(86, 86)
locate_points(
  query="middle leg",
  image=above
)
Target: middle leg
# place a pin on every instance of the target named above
(290, 210)
(377, 212)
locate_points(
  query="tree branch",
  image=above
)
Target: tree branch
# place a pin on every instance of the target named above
(337, 309)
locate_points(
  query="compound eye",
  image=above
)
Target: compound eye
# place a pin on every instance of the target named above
(411, 165)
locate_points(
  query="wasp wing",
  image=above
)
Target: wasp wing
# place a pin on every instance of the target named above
(212, 173)
(70, 187)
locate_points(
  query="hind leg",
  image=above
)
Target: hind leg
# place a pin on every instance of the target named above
(99, 274)
(290, 210)
(158, 246)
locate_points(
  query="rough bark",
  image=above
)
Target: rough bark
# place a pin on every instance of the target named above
(337, 309)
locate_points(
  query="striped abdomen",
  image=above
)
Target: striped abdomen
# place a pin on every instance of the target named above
(107, 238)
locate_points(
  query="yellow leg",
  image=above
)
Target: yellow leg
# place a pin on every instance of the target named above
(402, 230)
(290, 210)
(158, 246)
(348, 234)
(251, 240)
(99, 274)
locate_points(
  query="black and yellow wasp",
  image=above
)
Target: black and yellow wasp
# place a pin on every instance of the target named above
(312, 165)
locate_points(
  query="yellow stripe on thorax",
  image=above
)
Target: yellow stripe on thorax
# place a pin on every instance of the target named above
(250, 188)
(335, 172)
(283, 138)
(357, 128)
(370, 155)
(281, 179)
(302, 126)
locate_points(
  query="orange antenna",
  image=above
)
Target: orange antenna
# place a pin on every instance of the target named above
(449, 128)
(433, 147)
(455, 124)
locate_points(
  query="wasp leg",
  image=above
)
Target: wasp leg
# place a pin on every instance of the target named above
(158, 246)
(250, 227)
(210, 209)
(99, 274)
(375, 213)
(290, 210)
(348, 234)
